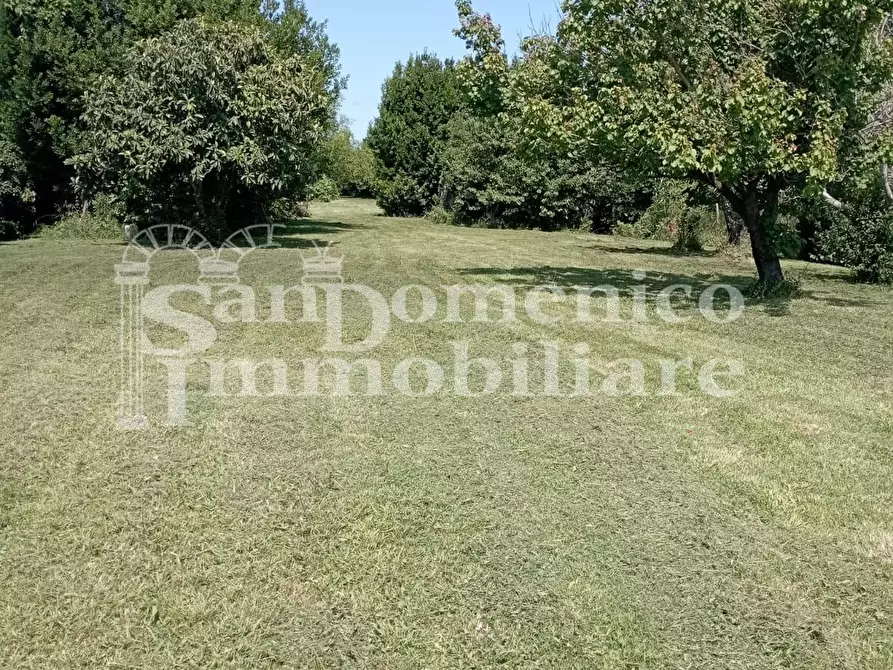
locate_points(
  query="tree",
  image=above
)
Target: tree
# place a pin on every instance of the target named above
(407, 138)
(50, 51)
(488, 174)
(347, 165)
(209, 123)
(747, 96)
(16, 196)
(293, 32)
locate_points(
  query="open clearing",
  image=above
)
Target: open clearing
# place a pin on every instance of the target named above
(393, 532)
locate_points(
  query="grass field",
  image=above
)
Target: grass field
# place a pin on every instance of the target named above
(445, 532)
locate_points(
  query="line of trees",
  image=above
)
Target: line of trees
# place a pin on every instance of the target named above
(633, 116)
(768, 110)
(211, 111)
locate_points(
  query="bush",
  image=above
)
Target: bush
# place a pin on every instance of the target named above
(349, 165)
(361, 179)
(861, 238)
(785, 237)
(50, 50)
(288, 209)
(16, 195)
(103, 221)
(8, 230)
(324, 189)
(208, 125)
(662, 220)
(681, 213)
(403, 196)
(439, 214)
(490, 180)
(692, 226)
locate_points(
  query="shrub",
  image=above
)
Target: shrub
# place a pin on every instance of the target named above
(785, 237)
(103, 221)
(692, 226)
(8, 230)
(861, 238)
(489, 179)
(361, 179)
(682, 213)
(662, 220)
(324, 189)
(404, 196)
(439, 214)
(288, 209)
(16, 195)
(50, 50)
(209, 124)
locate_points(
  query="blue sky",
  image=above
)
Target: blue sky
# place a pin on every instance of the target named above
(374, 34)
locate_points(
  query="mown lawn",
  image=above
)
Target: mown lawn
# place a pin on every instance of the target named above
(444, 532)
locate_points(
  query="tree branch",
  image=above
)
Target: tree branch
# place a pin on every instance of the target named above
(735, 200)
(831, 200)
(888, 178)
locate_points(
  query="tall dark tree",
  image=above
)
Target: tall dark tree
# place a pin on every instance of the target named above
(418, 101)
(49, 53)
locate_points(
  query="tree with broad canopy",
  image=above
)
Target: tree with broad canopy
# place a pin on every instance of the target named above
(748, 96)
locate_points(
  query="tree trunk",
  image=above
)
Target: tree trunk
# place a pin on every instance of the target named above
(760, 210)
(734, 224)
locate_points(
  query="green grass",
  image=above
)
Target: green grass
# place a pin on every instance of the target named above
(657, 532)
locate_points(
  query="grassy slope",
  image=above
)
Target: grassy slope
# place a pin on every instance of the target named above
(755, 532)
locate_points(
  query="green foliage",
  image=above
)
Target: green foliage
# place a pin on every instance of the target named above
(490, 173)
(680, 213)
(324, 189)
(664, 217)
(16, 195)
(293, 32)
(210, 125)
(361, 181)
(288, 209)
(349, 165)
(748, 97)
(82, 226)
(418, 100)
(785, 236)
(483, 75)
(692, 228)
(487, 179)
(404, 196)
(335, 158)
(441, 215)
(50, 51)
(859, 237)
(717, 88)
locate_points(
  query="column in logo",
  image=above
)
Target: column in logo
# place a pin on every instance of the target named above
(132, 278)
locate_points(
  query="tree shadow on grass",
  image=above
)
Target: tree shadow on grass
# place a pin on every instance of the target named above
(625, 280)
(632, 249)
(295, 234)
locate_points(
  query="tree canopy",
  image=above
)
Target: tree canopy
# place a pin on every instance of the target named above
(418, 101)
(748, 96)
(769, 104)
(210, 123)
